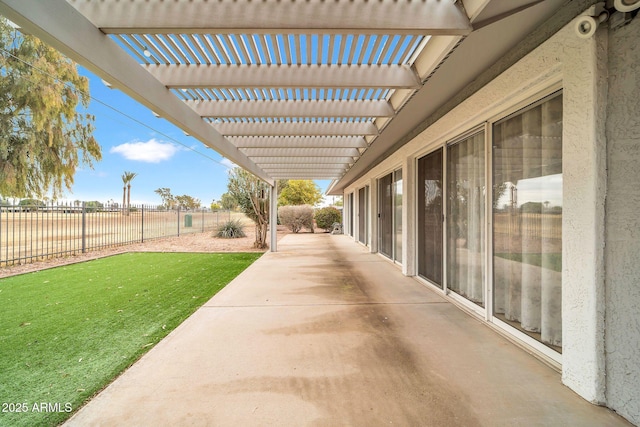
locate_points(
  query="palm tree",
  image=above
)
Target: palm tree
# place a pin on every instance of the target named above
(127, 177)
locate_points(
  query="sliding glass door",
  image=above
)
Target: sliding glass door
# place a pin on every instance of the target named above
(363, 215)
(397, 215)
(430, 217)
(527, 220)
(385, 215)
(466, 237)
(390, 215)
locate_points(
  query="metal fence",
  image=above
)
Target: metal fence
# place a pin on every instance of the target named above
(29, 233)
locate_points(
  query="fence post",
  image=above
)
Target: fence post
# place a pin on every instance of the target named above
(84, 228)
(203, 220)
(178, 221)
(142, 225)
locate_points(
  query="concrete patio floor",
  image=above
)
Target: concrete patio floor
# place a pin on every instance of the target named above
(323, 333)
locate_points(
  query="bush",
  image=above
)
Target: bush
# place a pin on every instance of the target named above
(232, 229)
(296, 217)
(325, 217)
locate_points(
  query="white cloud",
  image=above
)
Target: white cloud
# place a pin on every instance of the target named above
(228, 163)
(152, 151)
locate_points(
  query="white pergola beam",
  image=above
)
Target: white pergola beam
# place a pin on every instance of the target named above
(300, 152)
(307, 176)
(61, 26)
(291, 108)
(319, 160)
(297, 128)
(276, 16)
(321, 172)
(474, 8)
(286, 76)
(298, 141)
(282, 166)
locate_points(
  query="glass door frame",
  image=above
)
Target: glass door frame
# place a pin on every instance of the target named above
(392, 255)
(484, 128)
(551, 356)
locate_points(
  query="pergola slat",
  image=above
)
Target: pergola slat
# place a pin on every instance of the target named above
(269, 16)
(248, 108)
(298, 141)
(298, 128)
(286, 76)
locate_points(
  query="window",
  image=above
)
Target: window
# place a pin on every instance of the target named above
(527, 220)
(466, 192)
(385, 215)
(397, 215)
(390, 215)
(363, 215)
(430, 217)
(352, 213)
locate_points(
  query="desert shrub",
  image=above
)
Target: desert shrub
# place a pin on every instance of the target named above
(232, 229)
(325, 217)
(296, 217)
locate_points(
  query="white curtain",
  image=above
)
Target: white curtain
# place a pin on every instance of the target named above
(528, 220)
(465, 227)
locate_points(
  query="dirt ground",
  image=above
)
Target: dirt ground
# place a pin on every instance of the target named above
(199, 242)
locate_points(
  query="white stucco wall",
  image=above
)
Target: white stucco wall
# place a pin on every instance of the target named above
(584, 190)
(579, 67)
(622, 252)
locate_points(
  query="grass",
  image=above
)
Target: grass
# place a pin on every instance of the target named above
(67, 332)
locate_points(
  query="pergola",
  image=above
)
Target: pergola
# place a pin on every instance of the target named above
(295, 89)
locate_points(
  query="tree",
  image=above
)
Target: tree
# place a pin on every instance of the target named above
(131, 176)
(227, 202)
(252, 197)
(168, 200)
(93, 206)
(127, 177)
(215, 206)
(29, 205)
(43, 138)
(187, 202)
(299, 192)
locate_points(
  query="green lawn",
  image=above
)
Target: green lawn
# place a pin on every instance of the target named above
(66, 332)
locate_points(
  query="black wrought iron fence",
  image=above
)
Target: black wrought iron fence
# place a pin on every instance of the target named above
(29, 233)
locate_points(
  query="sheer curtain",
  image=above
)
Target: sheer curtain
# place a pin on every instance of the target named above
(397, 215)
(465, 211)
(527, 220)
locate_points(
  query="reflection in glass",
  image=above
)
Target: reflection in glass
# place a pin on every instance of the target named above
(397, 215)
(363, 214)
(527, 221)
(430, 217)
(465, 213)
(385, 215)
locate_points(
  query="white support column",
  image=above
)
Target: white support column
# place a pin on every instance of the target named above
(273, 216)
(409, 216)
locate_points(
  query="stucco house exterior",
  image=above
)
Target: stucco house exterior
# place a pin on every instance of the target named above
(491, 149)
(519, 203)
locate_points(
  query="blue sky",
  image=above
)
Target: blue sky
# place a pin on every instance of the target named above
(134, 140)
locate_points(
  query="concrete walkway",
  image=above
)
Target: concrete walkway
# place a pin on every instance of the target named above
(322, 333)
